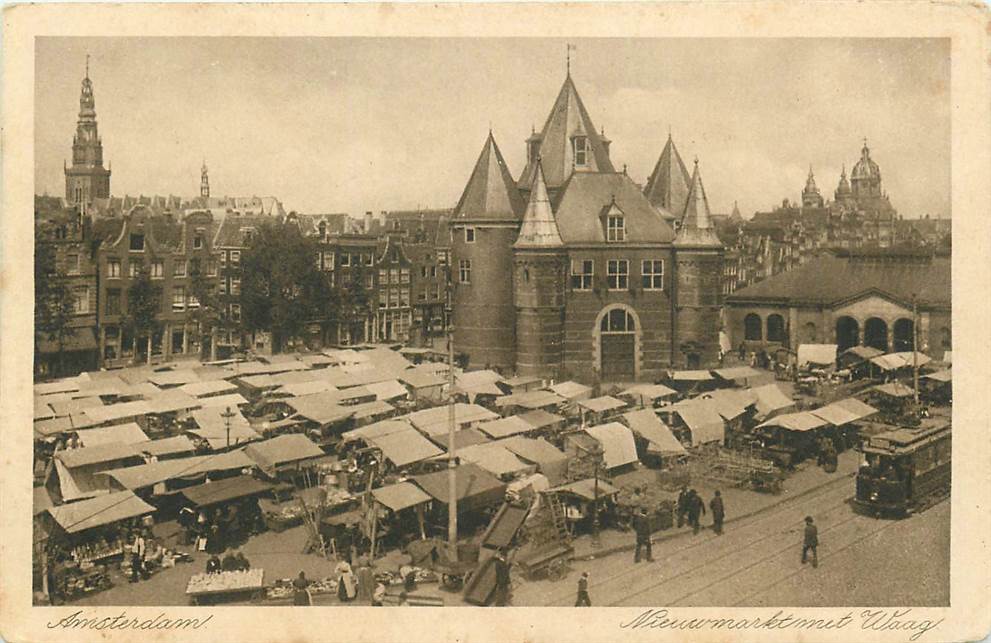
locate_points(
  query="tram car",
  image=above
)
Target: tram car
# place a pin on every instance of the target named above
(906, 470)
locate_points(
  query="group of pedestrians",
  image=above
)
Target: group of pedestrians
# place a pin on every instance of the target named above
(691, 508)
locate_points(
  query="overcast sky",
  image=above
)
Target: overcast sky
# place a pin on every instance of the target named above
(348, 125)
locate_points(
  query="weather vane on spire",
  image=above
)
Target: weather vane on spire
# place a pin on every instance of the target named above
(571, 48)
(87, 65)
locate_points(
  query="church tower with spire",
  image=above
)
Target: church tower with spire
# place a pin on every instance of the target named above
(204, 182)
(540, 265)
(484, 227)
(698, 295)
(86, 179)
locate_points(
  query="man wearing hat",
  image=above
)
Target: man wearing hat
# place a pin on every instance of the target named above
(811, 541)
(583, 599)
(641, 523)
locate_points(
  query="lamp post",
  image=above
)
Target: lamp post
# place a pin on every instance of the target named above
(595, 452)
(452, 462)
(915, 350)
(227, 415)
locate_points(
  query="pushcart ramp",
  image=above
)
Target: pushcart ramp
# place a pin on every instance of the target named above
(504, 526)
(481, 586)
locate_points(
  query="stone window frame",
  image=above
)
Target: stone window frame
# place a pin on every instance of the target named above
(464, 271)
(615, 228)
(619, 279)
(648, 278)
(583, 281)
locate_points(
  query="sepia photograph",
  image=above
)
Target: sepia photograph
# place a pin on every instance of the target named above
(561, 321)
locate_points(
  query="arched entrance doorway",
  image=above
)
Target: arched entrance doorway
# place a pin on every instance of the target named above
(902, 335)
(876, 334)
(617, 345)
(847, 333)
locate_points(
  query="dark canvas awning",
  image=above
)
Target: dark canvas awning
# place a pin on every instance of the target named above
(211, 493)
(476, 487)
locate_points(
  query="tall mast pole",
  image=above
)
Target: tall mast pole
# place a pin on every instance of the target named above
(915, 349)
(452, 479)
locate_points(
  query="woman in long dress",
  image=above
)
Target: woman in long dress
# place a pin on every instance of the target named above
(347, 588)
(301, 596)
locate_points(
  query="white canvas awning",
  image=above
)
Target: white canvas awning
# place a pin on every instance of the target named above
(617, 443)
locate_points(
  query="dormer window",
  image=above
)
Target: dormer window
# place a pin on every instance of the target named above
(616, 227)
(581, 150)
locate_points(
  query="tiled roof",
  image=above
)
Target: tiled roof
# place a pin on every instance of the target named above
(568, 118)
(539, 229)
(584, 197)
(667, 186)
(232, 229)
(834, 277)
(490, 192)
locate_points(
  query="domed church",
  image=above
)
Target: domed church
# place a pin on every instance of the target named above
(572, 271)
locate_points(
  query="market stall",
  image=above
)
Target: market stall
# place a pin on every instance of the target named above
(478, 493)
(654, 439)
(549, 460)
(599, 409)
(580, 498)
(405, 503)
(791, 438)
(230, 508)
(286, 457)
(645, 395)
(618, 446)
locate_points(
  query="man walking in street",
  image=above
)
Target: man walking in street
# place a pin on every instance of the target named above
(641, 523)
(696, 509)
(718, 513)
(583, 599)
(811, 541)
(683, 498)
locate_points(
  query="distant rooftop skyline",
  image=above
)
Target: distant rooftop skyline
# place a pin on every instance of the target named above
(356, 124)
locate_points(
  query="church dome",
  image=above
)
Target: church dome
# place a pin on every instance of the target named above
(865, 167)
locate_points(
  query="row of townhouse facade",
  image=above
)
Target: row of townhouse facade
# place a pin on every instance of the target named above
(392, 285)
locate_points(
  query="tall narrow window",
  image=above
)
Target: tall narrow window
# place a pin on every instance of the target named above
(464, 271)
(113, 269)
(652, 275)
(469, 235)
(581, 151)
(72, 264)
(178, 299)
(179, 269)
(581, 274)
(616, 228)
(157, 270)
(618, 274)
(80, 300)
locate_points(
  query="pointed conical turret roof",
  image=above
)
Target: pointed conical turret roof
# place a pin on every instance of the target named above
(490, 193)
(568, 119)
(844, 185)
(667, 187)
(735, 214)
(696, 223)
(810, 183)
(539, 229)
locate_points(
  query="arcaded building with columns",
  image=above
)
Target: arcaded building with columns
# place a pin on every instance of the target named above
(575, 271)
(849, 298)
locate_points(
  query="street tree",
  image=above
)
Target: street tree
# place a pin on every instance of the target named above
(144, 303)
(354, 303)
(205, 306)
(281, 288)
(54, 304)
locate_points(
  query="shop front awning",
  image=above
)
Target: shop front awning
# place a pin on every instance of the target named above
(218, 491)
(617, 443)
(97, 512)
(399, 496)
(81, 339)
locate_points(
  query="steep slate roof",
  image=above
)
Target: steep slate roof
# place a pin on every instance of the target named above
(539, 229)
(230, 234)
(490, 192)
(831, 278)
(667, 187)
(568, 118)
(587, 195)
(696, 224)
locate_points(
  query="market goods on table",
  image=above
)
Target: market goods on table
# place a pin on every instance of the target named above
(225, 582)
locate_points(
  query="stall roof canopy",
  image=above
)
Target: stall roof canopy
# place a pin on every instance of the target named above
(212, 387)
(166, 446)
(322, 408)
(114, 412)
(818, 354)
(506, 426)
(217, 491)
(239, 434)
(174, 378)
(263, 380)
(404, 447)
(948, 357)
(101, 510)
(371, 409)
(494, 458)
(383, 427)
(585, 489)
(539, 418)
(572, 390)
(400, 496)
(434, 420)
(474, 486)
(283, 449)
(87, 456)
(61, 386)
(173, 400)
(600, 404)
(894, 389)
(463, 438)
(647, 425)
(421, 378)
(854, 405)
(129, 433)
(146, 475)
(894, 361)
(530, 399)
(47, 428)
(617, 443)
(649, 391)
(387, 390)
(737, 373)
(312, 387)
(691, 376)
(232, 400)
(536, 450)
(703, 420)
(522, 380)
(65, 408)
(835, 414)
(475, 379)
(770, 398)
(42, 411)
(946, 375)
(802, 421)
(863, 352)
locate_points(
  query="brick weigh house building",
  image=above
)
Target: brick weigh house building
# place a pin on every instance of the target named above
(573, 271)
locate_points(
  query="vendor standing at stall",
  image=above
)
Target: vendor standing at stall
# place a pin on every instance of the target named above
(301, 596)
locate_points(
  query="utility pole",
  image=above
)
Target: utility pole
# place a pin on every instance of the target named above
(915, 350)
(227, 415)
